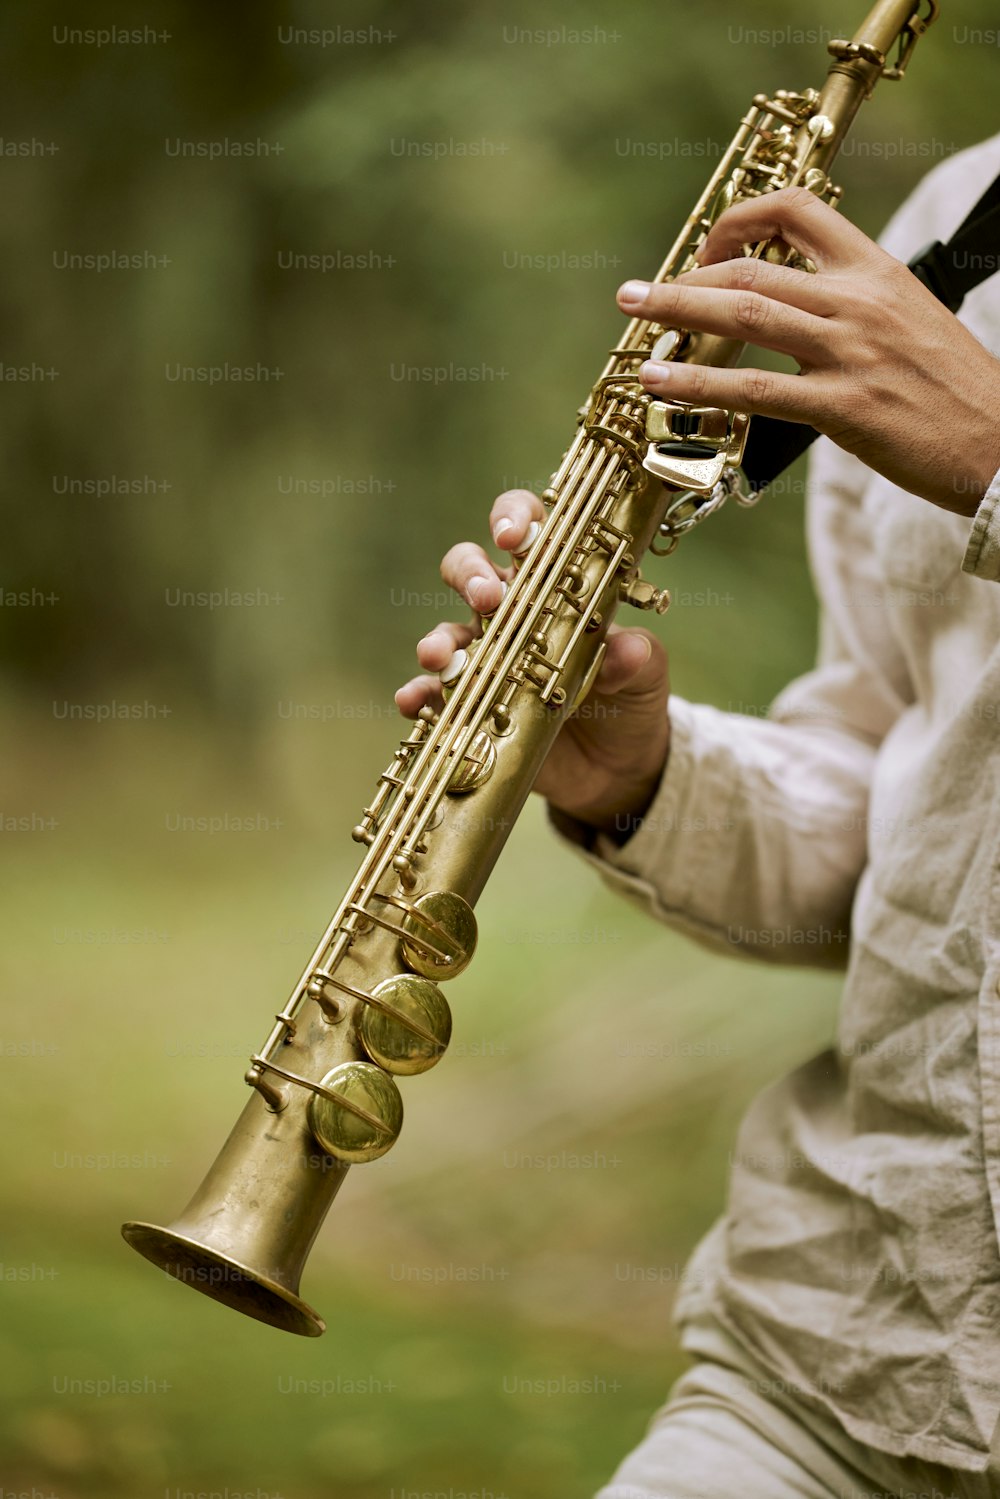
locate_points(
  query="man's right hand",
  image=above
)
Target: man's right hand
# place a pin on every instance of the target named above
(607, 761)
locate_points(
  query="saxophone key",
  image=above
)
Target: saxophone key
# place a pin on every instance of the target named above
(406, 1024)
(670, 344)
(450, 674)
(439, 934)
(530, 538)
(358, 1114)
(476, 765)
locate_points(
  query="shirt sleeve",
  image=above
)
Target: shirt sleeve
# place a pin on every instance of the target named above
(757, 835)
(982, 557)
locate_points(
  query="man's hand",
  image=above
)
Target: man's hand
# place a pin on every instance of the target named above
(609, 756)
(887, 372)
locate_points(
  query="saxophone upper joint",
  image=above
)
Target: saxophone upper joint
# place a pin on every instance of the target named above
(909, 36)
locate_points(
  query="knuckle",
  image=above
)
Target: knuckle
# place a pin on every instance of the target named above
(797, 199)
(864, 357)
(755, 387)
(512, 500)
(448, 564)
(844, 396)
(698, 379)
(519, 506)
(744, 273)
(750, 311)
(664, 301)
(450, 630)
(455, 562)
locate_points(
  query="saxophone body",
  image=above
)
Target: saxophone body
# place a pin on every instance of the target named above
(368, 1006)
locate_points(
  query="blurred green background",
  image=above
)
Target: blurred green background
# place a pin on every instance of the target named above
(443, 160)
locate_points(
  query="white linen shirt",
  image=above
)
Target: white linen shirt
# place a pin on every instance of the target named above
(858, 1257)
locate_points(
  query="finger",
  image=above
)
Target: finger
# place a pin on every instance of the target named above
(797, 398)
(468, 570)
(420, 692)
(629, 662)
(800, 218)
(512, 515)
(744, 315)
(781, 283)
(438, 646)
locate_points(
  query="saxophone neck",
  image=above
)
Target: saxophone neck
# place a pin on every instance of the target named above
(880, 48)
(893, 23)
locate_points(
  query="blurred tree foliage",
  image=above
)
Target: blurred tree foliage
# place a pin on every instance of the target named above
(408, 465)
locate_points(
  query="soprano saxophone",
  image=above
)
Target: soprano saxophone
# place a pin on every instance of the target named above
(367, 1007)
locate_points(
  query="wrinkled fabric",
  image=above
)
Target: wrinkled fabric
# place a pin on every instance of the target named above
(729, 1427)
(859, 825)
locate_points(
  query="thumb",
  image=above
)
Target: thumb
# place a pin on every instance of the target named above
(634, 660)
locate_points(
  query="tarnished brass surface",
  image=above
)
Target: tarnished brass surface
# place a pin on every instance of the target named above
(223, 1278)
(366, 1004)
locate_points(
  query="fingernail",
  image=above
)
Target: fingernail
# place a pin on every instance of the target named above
(654, 373)
(633, 293)
(429, 636)
(475, 587)
(501, 528)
